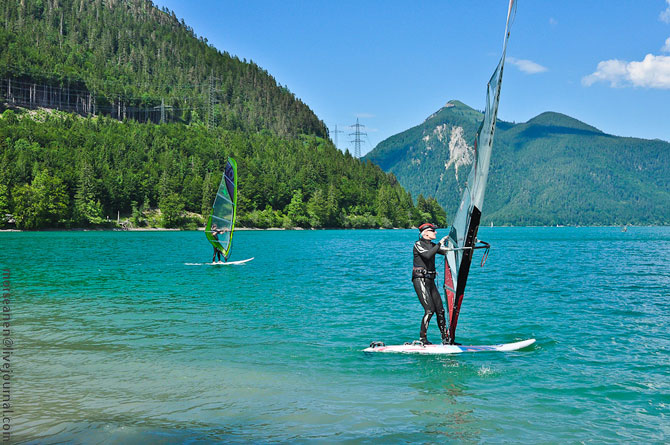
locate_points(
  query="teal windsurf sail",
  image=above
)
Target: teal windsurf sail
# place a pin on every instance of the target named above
(462, 238)
(221, 223)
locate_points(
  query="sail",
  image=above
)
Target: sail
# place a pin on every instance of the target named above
(462, 236)
(224, 211)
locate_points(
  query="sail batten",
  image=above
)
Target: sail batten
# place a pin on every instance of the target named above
(462, 236)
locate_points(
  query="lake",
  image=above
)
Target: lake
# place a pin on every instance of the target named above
(130, 337)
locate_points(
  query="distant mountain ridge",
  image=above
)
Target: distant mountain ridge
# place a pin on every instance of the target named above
(553, 169)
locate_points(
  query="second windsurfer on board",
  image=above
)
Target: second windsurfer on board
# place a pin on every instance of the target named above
(215, 234)
(423, 278)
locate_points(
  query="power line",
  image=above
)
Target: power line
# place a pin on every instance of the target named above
(39, 95)
(59, 77)
(367, 138)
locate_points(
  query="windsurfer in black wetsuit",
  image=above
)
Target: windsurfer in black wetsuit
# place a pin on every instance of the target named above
(215, 234)
(423, 278)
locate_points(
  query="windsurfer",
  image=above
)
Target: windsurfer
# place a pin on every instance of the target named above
(215, 234)
(423, 278)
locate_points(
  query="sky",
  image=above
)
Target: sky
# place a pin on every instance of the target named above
(392, 63)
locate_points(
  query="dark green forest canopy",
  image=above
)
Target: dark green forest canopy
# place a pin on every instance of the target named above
(550, 170)
(131, 54)
(63, 170)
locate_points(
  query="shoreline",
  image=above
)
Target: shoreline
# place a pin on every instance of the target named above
(251, 229)
(199, 229)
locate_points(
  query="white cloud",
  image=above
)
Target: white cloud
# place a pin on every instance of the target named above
(527, 66)
(612, 70)
(652, 72)
(665, 15)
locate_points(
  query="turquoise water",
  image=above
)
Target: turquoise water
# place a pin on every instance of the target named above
(120, 338)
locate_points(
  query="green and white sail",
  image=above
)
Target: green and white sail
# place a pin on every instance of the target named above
(462, 240)
(224, 211)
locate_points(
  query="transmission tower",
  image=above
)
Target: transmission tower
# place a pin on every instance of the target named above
(357, 138)
(212, 100)
(163, 107)
(335, 133)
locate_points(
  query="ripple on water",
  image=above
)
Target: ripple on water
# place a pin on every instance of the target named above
(119, 344)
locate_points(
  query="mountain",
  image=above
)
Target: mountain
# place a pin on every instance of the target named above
(112, 63)
(550, 170)
(133, 58)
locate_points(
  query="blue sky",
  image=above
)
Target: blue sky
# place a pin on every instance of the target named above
(393, 63)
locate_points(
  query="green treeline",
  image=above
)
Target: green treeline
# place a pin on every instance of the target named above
(61, 170)
(130, 54)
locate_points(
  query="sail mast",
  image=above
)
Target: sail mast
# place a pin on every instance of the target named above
(462, 237)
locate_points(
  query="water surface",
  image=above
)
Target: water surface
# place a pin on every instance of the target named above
(125, 337)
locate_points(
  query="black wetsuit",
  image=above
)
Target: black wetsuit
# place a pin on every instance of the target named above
(217, 252)
(423, 278)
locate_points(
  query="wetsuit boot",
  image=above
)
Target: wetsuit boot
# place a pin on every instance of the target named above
(442, 324)
(424, 327)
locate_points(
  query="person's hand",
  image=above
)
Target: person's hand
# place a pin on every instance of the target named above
(443, 241)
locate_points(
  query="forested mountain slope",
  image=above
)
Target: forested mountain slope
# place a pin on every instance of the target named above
(550, 170)
(130, 54)
(122, 60)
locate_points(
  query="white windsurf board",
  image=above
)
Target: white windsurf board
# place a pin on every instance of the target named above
(418, 348)
(221, 263)
(231, 263)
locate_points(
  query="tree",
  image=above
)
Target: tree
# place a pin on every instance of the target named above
(317, 209)
(193, 193)
(297, 210)
(207, 195)
(87, 209)
(437, 213)
(333, 218)
(44, 203)
(386, 205)
(4, 204)
(137, 217)
(172, 210)
(430, 211)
